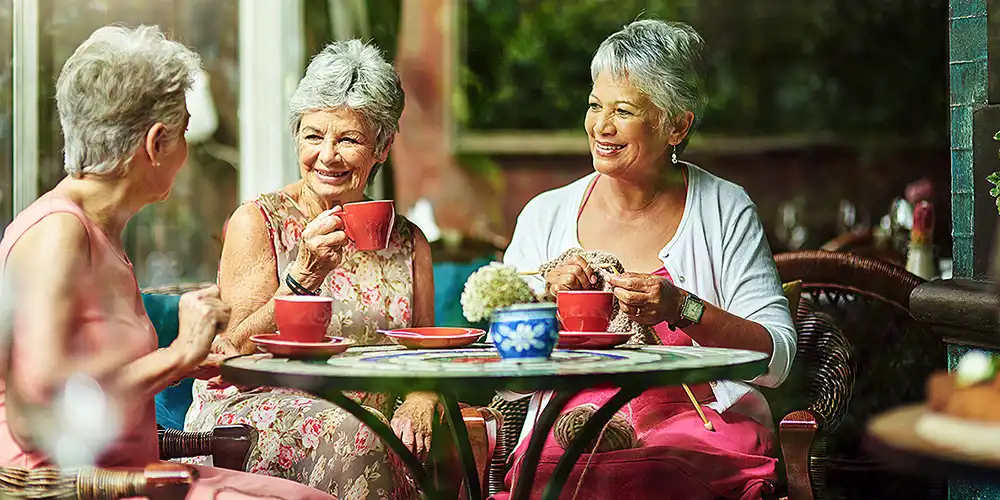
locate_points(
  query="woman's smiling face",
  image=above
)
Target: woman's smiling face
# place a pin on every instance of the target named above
(624, 128)
(337, 151)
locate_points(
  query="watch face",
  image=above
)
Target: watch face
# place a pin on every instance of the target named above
(692, 310)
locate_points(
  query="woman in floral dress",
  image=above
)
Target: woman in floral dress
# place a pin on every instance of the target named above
(345, 114)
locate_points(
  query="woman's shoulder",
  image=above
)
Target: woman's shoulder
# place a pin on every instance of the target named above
(716, 190)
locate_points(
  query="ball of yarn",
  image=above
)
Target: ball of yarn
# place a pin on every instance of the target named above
(618, 433)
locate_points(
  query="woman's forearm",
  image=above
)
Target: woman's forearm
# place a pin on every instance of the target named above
(720, 328)
(155, 371)
(259, 322)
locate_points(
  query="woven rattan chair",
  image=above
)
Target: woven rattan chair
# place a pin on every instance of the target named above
(156, 482)
(892, 353)
(863, 242)
(228, 446)
(176, 289)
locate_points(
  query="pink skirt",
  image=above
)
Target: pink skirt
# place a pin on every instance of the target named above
(676, 457)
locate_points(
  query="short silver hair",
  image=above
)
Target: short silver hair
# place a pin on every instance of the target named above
(664, 60)
(115, 86)
(351, 74)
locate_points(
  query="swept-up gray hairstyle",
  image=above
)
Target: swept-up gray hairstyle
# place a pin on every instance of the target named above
(664, 60)
(354, 74)
(115, 86)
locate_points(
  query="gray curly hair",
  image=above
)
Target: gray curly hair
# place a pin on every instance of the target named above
(664, 60)
(354, 74)
(115, 86)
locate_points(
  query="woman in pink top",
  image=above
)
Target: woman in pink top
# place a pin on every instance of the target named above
(121, 102)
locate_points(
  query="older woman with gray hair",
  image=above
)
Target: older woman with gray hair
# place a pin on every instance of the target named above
(699, 272)
(344, 116)
(122, 107)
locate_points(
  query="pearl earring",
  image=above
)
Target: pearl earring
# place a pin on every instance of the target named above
(673, 157)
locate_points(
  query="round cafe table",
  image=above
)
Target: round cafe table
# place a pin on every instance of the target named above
(392, 369)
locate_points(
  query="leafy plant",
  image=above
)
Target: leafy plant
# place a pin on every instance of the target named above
(994, 178)
(777, 66)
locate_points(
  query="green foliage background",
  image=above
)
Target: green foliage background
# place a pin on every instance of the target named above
(779, 66)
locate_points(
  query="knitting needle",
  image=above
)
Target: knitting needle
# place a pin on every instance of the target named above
(606, 267)
(697, 408)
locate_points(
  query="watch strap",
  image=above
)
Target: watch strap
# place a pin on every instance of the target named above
(685, 320)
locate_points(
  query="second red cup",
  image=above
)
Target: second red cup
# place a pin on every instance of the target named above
(369, 223)
(585, 310)
(302, 318)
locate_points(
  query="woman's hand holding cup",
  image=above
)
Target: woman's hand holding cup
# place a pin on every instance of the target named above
(320, 249)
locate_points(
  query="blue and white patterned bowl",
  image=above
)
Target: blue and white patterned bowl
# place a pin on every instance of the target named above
(525, 331)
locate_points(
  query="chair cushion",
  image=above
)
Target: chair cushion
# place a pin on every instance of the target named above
(793, 292)
(172, 403)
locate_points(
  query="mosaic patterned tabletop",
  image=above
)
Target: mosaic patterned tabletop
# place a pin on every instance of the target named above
(391, 368)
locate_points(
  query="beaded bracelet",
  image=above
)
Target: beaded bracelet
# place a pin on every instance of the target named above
(297, 287)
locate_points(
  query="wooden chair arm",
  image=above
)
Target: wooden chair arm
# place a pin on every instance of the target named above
(446, 467)
(156, 482)
(796, 433)
(229, 446)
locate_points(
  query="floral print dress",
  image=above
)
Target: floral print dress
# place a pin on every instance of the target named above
(304, 438)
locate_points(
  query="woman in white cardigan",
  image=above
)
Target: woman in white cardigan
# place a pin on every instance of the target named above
(690, 241)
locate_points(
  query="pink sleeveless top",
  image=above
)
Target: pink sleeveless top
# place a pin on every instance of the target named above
(108, 314)
(662, 330)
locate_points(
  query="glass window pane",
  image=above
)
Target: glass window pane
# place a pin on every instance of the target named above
(177, 240)
(6, 111)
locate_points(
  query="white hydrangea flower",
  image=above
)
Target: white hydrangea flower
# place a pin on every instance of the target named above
(491, 287)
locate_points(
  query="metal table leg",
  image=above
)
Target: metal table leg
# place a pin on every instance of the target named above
(388, 437)
(589, 432)
(461, 435)
(540, 432)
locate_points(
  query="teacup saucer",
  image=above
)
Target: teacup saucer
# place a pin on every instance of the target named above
(273, 344)
(434, 337)
(591, 340)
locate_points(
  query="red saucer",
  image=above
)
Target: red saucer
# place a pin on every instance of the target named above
(273, 344)
(591, 340)
(434, 337)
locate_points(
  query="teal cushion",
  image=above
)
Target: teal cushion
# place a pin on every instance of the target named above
(172, 403)
(449, 281)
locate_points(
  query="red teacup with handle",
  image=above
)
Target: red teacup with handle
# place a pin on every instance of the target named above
(368, 223)
(302, 318)
(585, 310)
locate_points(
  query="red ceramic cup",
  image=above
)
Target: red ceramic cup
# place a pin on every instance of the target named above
(302, 318)
(369, 223)
(585, 310)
